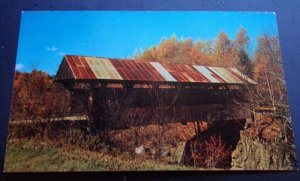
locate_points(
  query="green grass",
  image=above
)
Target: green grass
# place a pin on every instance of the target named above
(25, 155)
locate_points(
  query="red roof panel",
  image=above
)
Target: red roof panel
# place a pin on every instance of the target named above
(80, 67)
(139, 71)
(184, 73)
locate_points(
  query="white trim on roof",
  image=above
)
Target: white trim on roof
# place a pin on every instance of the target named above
(163, 71)
(207, 73)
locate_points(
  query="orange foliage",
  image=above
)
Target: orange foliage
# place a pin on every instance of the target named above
(36, 96)
(221, 52)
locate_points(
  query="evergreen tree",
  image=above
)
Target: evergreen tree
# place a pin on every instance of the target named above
(245, 64)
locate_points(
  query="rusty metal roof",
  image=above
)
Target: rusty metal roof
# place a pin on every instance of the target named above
(94, 68)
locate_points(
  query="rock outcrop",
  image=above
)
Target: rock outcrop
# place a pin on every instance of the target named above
(252, 153)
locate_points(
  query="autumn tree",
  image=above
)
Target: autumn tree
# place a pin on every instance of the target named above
(224, 50)
(166, 51)
(35, 97)
(219, 52)
(202, 52)
(149, 55)
(173, 50)
(268, 70)
(242, 40)
(271, 88)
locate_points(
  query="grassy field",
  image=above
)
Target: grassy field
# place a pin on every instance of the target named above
(33, 155)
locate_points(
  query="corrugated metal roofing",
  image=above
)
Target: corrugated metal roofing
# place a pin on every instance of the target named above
(103, 68)
(208, 74)
(241, 75)
(185, 73)
(86, 68)
(226, 75)
(163, 71)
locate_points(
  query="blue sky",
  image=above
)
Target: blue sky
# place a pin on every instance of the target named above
(46, 36)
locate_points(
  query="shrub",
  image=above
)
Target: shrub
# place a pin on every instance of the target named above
(211, 153)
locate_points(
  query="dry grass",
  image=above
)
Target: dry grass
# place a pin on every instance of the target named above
(31, 155)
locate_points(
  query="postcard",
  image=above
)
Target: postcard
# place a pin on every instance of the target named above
(149, 90)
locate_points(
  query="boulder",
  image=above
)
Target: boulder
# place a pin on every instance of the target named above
(139, 150)
(252, 153)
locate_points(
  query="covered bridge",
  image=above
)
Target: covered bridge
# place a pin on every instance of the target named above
(123, 93)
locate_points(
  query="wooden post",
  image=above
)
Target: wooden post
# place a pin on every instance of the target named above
(91, 113)
(73, 102)
(96, 118)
